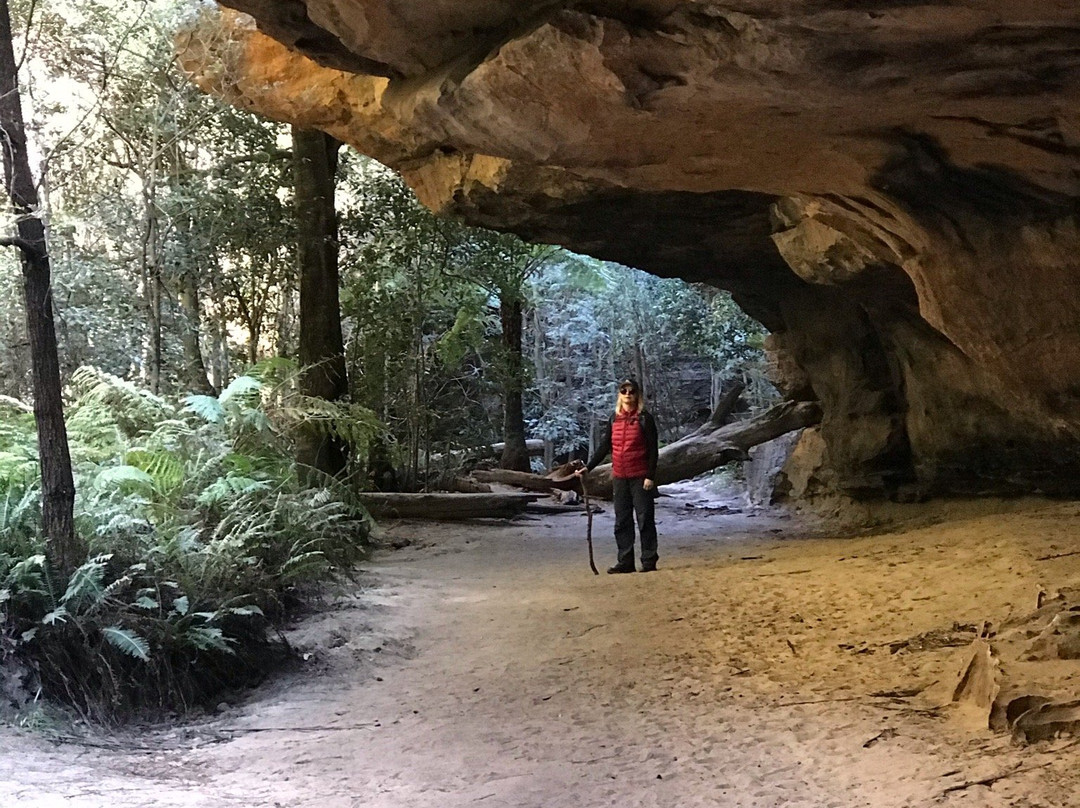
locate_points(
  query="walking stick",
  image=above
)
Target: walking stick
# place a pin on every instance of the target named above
(588, 518)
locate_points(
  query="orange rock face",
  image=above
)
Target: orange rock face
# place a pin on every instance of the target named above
(891, 188)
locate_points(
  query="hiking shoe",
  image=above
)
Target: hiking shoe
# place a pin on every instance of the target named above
(649, 567)
(619, 569)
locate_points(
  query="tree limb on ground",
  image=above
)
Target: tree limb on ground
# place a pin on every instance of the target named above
(701, 451)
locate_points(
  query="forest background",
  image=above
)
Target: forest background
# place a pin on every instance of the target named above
(177, 232)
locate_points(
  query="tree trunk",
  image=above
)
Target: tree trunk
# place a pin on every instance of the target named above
(687, 457)
(195, 377)
(706, 450)
(57, 482)
(543, 383)
(446, 506)
(322, 350)
(725, 405)
(514, 456)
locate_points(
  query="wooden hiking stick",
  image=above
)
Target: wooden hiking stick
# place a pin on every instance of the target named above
(588, 519)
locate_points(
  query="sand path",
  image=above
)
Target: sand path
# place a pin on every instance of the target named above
(485, 665)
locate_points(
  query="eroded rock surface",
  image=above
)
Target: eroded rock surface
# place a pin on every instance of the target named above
(890, 187)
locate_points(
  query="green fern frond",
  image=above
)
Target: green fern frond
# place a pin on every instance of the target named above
(304, 566)
(229, 487)
(95, 433)
(27, 575)
(123, 478)
(85, 584)
(206, 407)
(206, 638)
(121, 523)
(9, 403)
(20, 519)
(275, 370)
(127, 642)
(135, 409)
(244, 611)
(58, 615)
(242, 387)
(165, 468)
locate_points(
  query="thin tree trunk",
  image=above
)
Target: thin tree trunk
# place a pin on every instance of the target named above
(220, 352)
(322, 349)
(195, 377)
(286, 320)
(543, 383)
(150, 268)
(57, 482)
(514, 456)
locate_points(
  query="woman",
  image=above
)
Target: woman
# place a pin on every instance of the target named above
(632, 441)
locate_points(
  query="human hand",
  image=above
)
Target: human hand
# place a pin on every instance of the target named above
(648, 485)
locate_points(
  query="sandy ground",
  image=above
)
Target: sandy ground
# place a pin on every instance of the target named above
(484, 664)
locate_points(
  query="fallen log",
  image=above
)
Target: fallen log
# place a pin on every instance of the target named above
(521, 479)
(704, 451)
(701, 451)
(473, 454)
(442, 506)
(724, 407)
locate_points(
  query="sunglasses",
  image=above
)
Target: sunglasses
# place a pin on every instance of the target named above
(627, 391)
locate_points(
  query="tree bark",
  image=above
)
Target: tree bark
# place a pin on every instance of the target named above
(725, 405)
(446, 506)
(704, 451)
(514, 455)
(57, 482)
(701, 451)
(322, 349)
(522, 479)
(195, 376)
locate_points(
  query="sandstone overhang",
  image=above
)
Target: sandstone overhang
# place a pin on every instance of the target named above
(890, 187)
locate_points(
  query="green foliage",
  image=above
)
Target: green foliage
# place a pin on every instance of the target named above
(199, 545)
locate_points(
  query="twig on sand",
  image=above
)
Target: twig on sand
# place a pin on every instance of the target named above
(886, 694)
(789, 572)
(245, 730)
(819, 701)
(989, 781)
(1057, 555)
(1018, 769)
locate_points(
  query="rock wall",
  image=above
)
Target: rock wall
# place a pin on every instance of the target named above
(890, 187)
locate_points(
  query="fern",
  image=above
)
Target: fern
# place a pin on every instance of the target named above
(85, 585)
(123, 478)
(304, 566)
(58, 615)
(243, 388)
(206, 638)
(135, 409)
(27, 575)
(127, 642)
(229, 488)
(214, 512)
(206, 407)
(20, 520)
(164, 468)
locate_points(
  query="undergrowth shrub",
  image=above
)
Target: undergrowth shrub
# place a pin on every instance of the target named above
(202, 535)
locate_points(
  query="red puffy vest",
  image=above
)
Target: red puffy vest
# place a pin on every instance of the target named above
(629, 458)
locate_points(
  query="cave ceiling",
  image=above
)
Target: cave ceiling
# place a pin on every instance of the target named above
(890, 187)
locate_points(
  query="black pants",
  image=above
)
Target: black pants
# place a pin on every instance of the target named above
(631, 498)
